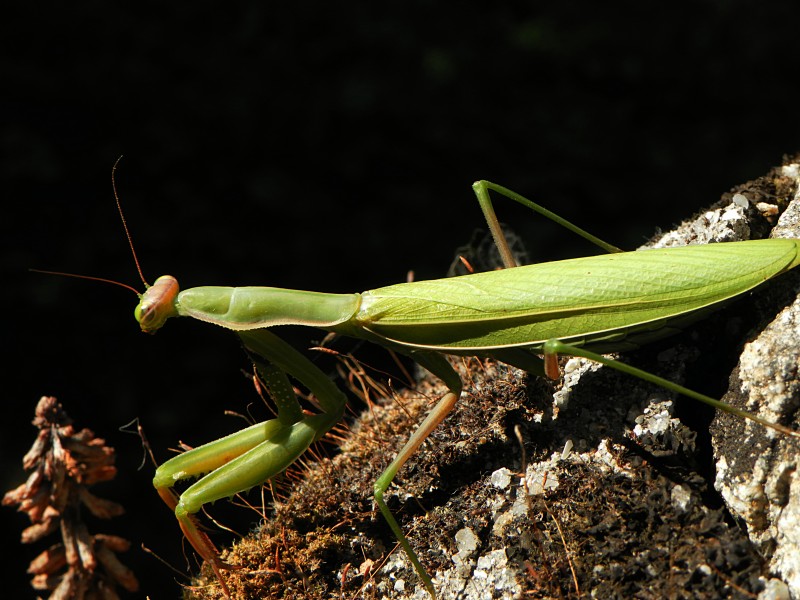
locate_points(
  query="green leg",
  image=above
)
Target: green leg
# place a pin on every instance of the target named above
(522, 359)
(555, 347)
(482, 188)
(438, 365)
(237, 463)
(254, 455)
(263, 343)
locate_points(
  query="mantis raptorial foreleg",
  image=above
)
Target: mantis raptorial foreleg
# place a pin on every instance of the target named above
(254, 455)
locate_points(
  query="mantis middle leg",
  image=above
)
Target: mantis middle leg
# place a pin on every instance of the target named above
(438, 365)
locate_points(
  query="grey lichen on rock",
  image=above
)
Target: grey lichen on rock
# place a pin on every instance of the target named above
(757, 470)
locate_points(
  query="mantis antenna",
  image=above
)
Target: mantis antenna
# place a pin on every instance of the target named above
(130, 244)
(125, 223)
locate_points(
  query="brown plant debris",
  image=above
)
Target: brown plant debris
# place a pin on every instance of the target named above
(64, 463)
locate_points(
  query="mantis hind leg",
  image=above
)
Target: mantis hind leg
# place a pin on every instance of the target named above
(482, 188)
(555, 347)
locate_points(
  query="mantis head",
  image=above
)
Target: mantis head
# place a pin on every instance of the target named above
(157, 304)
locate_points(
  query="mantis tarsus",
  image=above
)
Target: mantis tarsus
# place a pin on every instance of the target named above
(579, 307)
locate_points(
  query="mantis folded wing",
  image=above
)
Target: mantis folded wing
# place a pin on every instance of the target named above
(579, 307)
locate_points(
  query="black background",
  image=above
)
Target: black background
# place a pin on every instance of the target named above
(329, 148)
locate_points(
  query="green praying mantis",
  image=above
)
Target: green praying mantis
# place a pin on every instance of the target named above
(583, 307)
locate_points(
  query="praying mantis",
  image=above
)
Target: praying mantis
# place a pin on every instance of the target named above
(579, 307)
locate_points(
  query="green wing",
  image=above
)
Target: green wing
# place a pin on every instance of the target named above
(607, 301)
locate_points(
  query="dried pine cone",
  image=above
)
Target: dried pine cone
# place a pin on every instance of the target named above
(63, 464)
